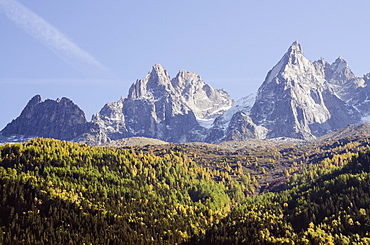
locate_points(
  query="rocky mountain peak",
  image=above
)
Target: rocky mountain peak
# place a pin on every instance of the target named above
(295, 49)
(338, 73)
(28, 111)
(34, 100)
(206, 103)
(321, 66)
(161, 108)
(158, 76)
(60, 119)
(340, 65)
(295, 61)
(295, 56)
(295, 101)
(292, 63)
(185, 79)
(154, 84)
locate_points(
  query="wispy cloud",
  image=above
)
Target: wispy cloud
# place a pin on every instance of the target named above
(53, 38)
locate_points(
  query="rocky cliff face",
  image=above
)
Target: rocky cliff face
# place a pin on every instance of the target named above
(354, 91)
(360, 96)
(206, 103)
(153, 109)
(242, 128)
(298, 99)
(236, 124)
(158, 107)
(60, 119)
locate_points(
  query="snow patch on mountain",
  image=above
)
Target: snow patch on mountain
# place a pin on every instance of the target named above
(242, 105)
(205, 123)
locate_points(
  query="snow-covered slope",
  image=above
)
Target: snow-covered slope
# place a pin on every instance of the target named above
(235, 123)
(242, 105)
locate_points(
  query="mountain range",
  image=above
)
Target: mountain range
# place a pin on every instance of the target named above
(298, 99)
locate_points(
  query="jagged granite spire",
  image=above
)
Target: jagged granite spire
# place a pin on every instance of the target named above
(161, 108)
(339, 72)
(296, 101)
(153, 84)
(295, 48)
(206, 103)
(293, 58)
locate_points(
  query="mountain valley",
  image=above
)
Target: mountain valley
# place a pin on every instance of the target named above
(179, 162)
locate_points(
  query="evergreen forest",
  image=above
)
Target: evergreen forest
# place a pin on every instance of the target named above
(57, 192)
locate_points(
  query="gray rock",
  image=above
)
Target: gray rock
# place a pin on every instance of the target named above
(206, 102)
(300, 99)
(161, 108)
(60, 119)
(242, 128)
(291, 97)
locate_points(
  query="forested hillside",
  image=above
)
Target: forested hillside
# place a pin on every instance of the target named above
(55, 192)
(331, 208)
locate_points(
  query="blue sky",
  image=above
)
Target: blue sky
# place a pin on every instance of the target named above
(92, 51)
